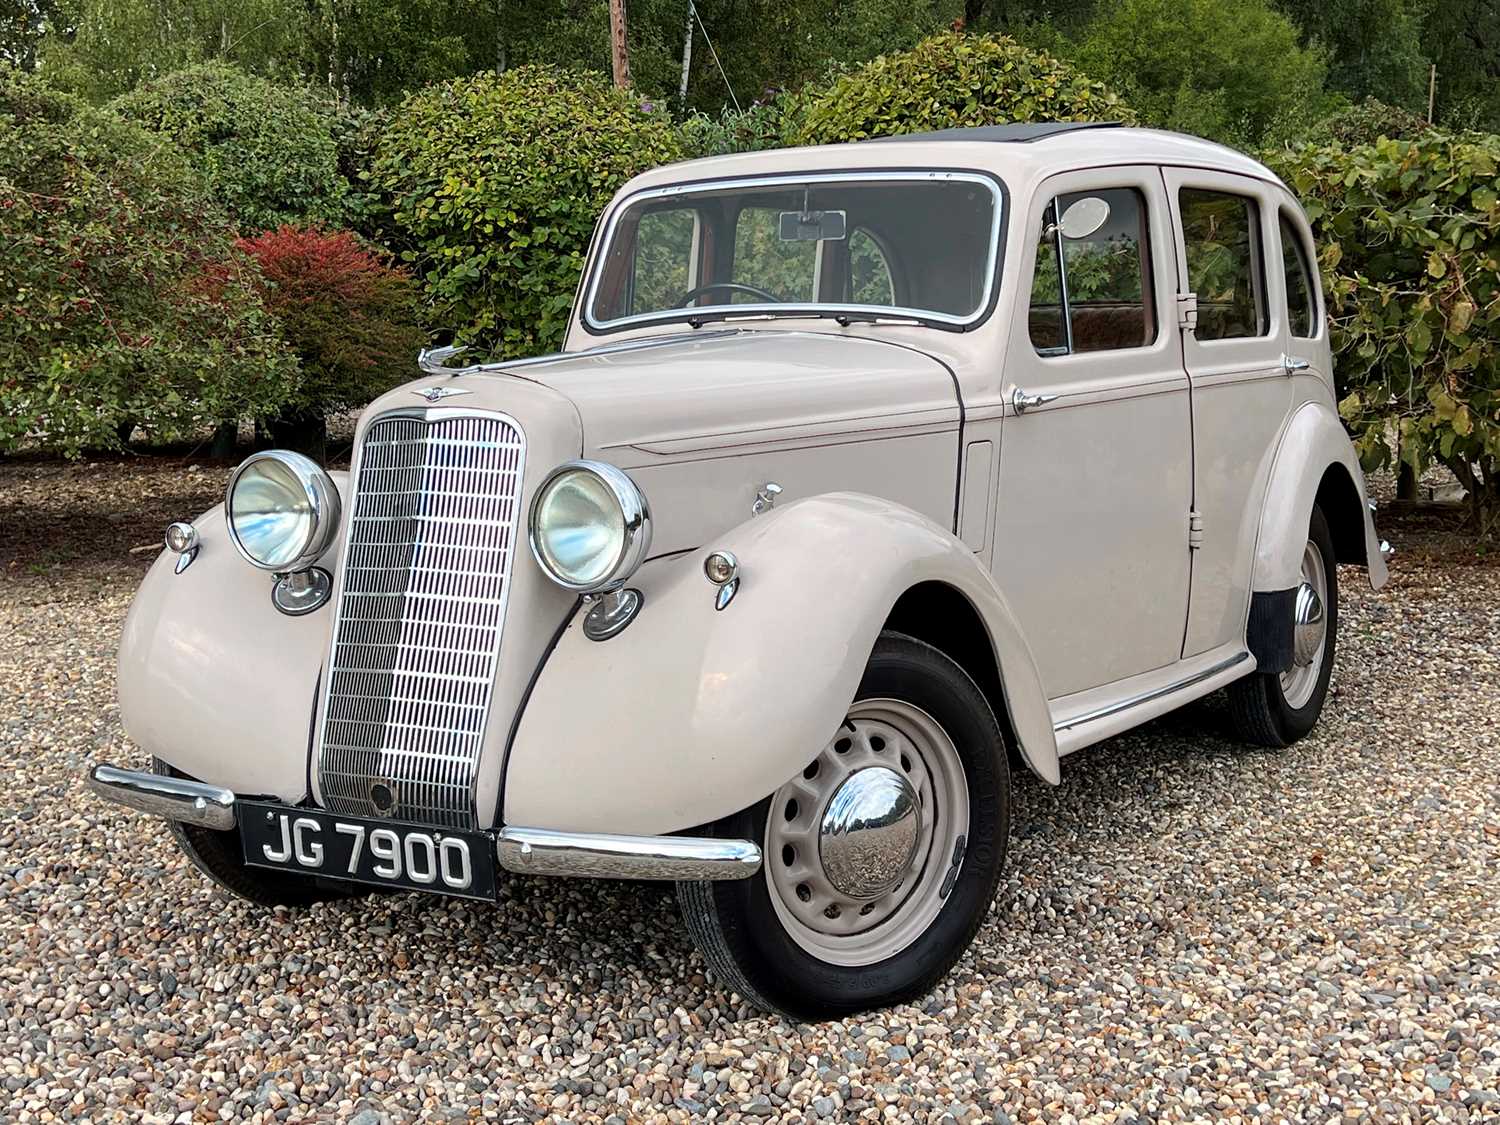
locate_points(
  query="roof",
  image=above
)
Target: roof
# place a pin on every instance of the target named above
(1020, 154)
(1017, 133)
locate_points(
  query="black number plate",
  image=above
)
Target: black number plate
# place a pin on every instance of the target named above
(379, 852)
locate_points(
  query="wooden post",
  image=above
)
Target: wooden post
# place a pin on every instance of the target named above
(618, 50)
(687, 58)
(1431, 91)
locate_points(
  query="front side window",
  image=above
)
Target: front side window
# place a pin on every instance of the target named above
(1092, 289)
(1221, 238)
(914, 246)
(1301, 304)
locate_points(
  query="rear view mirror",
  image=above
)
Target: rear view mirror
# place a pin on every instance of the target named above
(814, 226)
(1084, 217)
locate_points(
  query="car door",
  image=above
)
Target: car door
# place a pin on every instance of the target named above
(1095, 481)
(1235, 360)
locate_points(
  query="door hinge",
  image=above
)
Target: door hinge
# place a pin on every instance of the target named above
(1187, 310)
(1195, 529)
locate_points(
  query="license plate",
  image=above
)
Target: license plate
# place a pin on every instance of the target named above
(378, 852)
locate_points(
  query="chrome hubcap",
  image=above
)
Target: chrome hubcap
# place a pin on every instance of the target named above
(869, 832)
(862, 847)
(1309, 630)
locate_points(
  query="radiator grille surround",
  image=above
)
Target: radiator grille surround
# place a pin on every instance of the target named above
(435, 521)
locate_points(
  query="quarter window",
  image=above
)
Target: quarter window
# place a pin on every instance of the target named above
(1301, 305)
(1092, 290)
(1221, 238)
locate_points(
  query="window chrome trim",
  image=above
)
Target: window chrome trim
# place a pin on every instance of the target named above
(700, 187)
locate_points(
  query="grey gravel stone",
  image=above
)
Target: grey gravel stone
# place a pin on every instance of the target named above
(1186, 930)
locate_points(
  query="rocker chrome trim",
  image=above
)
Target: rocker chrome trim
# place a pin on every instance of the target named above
(542, 851)
(1148, 696)
(192, 802)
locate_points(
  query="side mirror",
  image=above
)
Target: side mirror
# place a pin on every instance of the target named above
(1084, 217)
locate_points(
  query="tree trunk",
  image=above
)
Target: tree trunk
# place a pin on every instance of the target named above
(301, 433)
(619, 51)
(221, 447)
(687, 58)
(1406, 482)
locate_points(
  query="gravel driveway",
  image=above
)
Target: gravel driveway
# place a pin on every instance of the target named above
(1187, 930)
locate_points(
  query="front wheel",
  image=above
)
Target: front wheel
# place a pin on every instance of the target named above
(881, 856)
(1277, 708)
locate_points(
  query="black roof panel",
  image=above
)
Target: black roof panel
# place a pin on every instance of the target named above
(1028, 131)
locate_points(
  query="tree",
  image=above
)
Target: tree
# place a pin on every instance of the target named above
(1463, 39)
(495, 183)
(267, 150)
(1374, 47)
(1229, 72)
(349, 317)
(123, 296)
(952, 80)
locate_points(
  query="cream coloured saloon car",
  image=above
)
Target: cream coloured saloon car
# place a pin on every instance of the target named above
(867, 474)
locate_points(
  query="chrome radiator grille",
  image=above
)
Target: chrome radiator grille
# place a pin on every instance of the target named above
(434, 525)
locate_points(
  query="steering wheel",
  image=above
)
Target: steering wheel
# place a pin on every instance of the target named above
(732, 286)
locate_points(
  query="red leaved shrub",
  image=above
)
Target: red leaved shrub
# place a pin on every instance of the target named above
(348, 315)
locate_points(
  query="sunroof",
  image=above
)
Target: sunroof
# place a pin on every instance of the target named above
(1025, 131)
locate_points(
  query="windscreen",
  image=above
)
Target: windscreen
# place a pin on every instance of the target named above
(922, 245)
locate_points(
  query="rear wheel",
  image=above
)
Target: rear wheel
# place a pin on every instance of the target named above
(218, 855)
(880, 857)
(1277, 708)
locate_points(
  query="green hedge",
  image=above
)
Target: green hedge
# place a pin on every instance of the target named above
(124, 298)
(496, 183)
(950, 81)
(1410, 247)
(270, 152)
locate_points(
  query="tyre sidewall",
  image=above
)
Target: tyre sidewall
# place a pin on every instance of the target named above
(1294, 722)
(798, 983)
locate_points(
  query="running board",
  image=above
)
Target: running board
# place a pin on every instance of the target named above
(1094, 724)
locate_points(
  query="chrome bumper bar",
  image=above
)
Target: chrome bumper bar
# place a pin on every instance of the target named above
(192, 802)
(541, 851)
(526, 851)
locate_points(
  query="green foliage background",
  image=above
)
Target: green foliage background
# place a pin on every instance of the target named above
(1409, 236)
(122, 295)
(495, 184)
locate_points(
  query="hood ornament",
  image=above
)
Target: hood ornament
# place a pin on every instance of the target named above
(433, 394)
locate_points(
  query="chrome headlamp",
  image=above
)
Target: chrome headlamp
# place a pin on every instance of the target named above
(282, 510)
(590, 526)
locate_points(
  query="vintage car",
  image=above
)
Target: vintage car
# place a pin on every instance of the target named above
(867, 475)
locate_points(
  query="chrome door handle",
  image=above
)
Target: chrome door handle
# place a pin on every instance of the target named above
(1022, 402)
(1292, 364)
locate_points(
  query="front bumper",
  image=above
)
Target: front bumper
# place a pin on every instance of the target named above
(526, 851)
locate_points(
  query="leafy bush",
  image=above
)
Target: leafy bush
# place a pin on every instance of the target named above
(496, 183)
(1230, 72)
(347, 314)
(123, 298)
(950, 81)
(1410, 236)
(1366, 123)
(760, 126)
(268, 151)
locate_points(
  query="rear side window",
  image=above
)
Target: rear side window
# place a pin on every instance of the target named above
(1221, 237)
(1091, 290)
(1301, 305)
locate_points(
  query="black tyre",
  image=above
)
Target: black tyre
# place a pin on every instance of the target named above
(1277, 708)
(880, 858)
(218, 855)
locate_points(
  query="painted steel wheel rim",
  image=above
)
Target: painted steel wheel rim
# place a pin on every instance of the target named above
(861, 908)
(1309, 630)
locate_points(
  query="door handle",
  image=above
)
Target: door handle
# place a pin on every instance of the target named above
(1292, 364)
(1022, 402)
